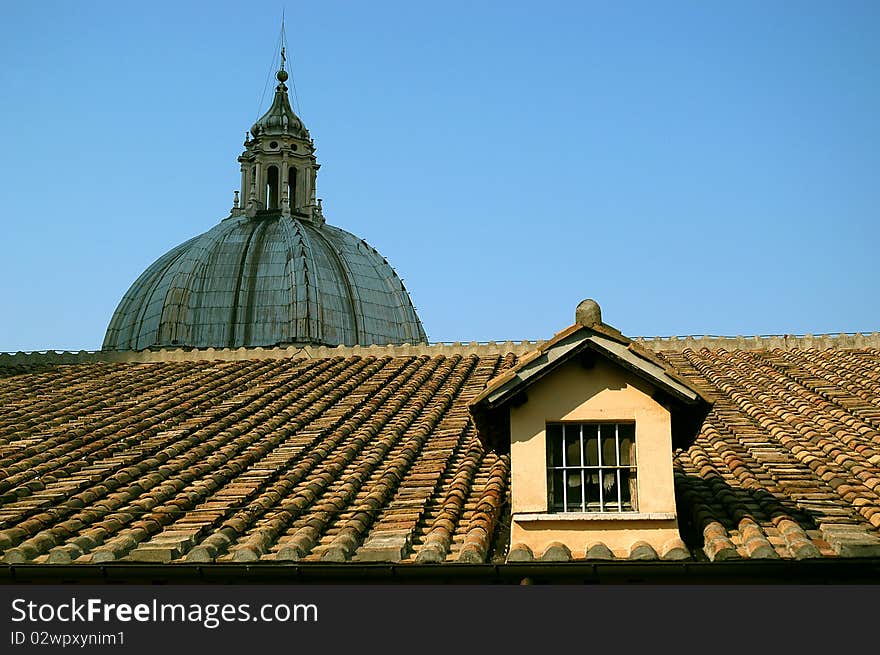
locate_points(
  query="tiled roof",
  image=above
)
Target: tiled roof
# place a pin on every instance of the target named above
(367, 458)
(787, 463)
(263, 459)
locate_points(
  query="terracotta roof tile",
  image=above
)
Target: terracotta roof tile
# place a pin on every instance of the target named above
(675, 549)
(520, 553)
(642, 550)
(556, 552)
(598, 551)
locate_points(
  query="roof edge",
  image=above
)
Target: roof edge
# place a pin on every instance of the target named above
(807, 571)
(839, 340)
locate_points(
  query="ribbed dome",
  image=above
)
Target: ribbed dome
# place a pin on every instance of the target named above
(273, 280)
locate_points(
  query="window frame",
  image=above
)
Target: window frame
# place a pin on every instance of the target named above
(600, 469)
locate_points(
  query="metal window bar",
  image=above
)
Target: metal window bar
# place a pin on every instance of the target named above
(564, 472)
(617, 455)
(601, 481)
(583, 471)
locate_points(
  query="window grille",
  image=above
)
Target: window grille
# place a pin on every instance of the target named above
(591, 467)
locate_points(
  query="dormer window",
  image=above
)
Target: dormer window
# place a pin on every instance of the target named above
(591, 467)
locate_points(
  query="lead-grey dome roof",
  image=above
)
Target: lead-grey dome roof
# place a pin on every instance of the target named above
(263, 282)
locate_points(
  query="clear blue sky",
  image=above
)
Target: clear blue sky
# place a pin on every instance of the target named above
(696, 167)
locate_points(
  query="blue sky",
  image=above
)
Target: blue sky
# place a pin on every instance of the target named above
(696, 167)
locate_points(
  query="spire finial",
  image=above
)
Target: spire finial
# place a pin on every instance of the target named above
(282, 74)
(283, 41)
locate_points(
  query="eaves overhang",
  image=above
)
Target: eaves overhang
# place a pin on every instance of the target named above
(780, 571)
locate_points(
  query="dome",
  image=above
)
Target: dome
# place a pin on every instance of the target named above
(273, 272)
(261, 282)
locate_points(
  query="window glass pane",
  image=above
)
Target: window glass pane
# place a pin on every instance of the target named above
(627, 488)
(555, 484)
(574, 491)
(572, 445)
(591, 445)
(554, 444)
(609, 454)
(627, 432)
(592, 489)
(609, 489)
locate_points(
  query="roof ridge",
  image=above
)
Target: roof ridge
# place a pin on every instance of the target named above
(276, 352)
(842, 340)
(823, 341)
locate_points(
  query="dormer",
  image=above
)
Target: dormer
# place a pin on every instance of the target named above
(591, 420)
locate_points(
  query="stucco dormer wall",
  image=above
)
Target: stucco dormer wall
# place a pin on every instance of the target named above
(603, 393)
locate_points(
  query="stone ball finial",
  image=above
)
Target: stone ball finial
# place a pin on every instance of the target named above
(281, 75)
(588, 313)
